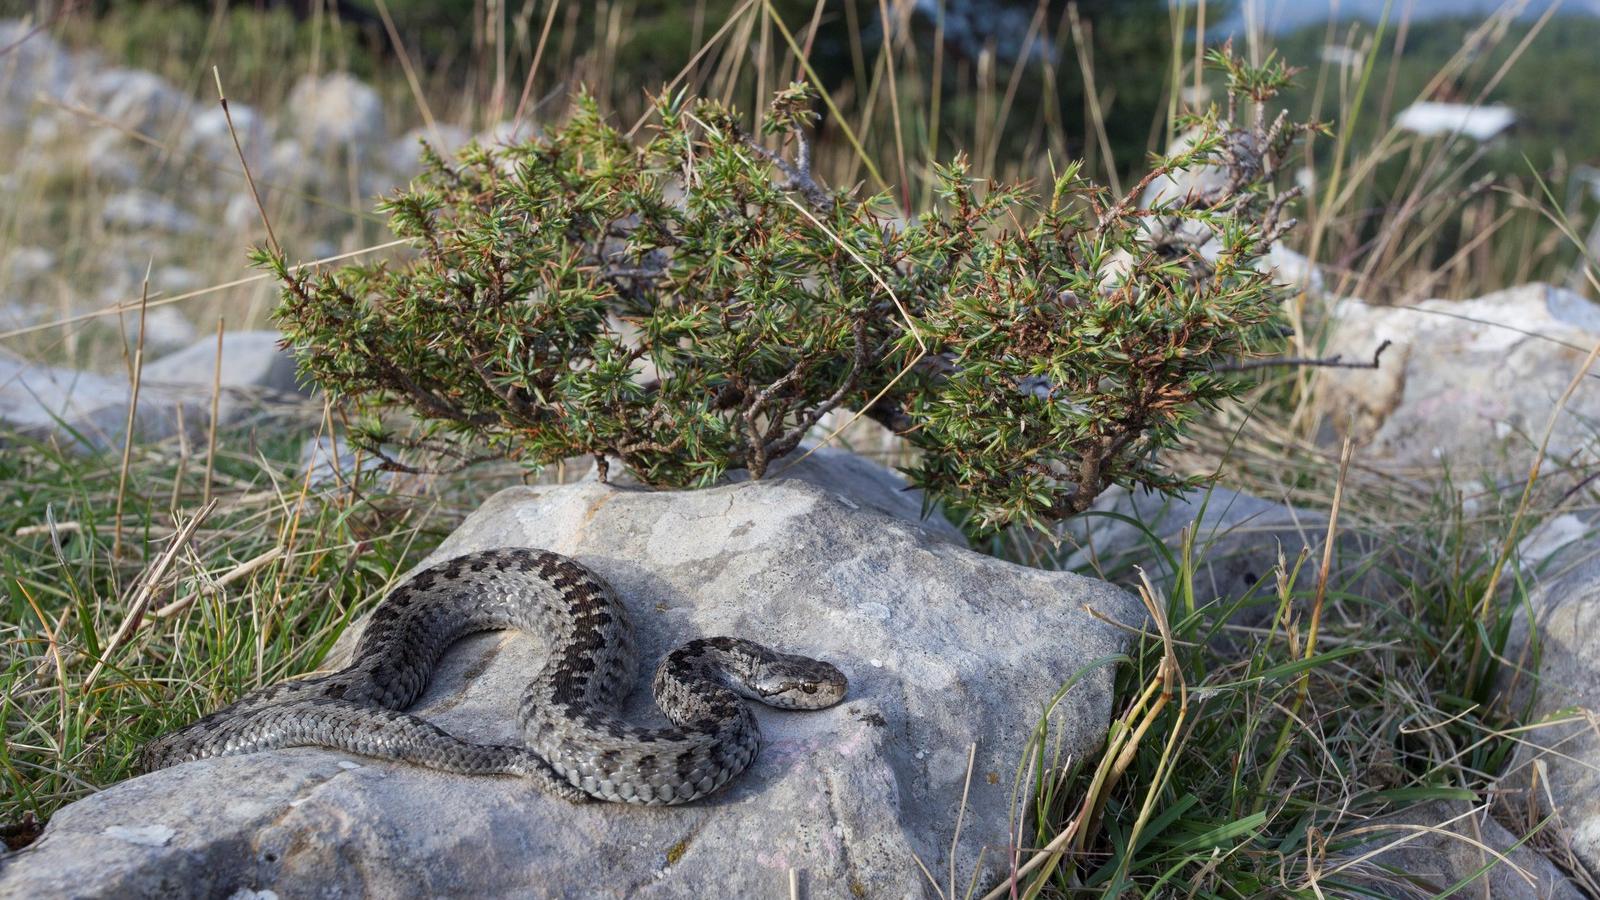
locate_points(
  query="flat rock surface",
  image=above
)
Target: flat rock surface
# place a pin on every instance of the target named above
(90, 409)
(945, 648)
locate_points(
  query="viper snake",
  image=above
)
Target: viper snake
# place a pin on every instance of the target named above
(577, 745)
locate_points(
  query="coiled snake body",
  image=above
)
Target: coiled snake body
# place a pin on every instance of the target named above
(577, 746)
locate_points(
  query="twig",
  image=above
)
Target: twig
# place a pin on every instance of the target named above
(798, 172)
(1331, 362)
(48, 528)
(533, 68)
(120, 308)
(410, 71)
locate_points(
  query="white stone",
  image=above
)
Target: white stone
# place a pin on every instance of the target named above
(336, 112)
(165, 330)
(1437, 845)
(1559, 762)
(34, 64)
(250, 359)
(26, 263)
(141, 210)
(334, 462)
(208, 136)
(133, 99)
(404, 156)
(91, 410)
(1550, 537)
(106, 157)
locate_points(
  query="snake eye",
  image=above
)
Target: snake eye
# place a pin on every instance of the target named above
(809, 688)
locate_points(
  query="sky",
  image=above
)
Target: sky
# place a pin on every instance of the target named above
(1286, 15)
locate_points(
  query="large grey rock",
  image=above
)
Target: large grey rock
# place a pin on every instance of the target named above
(944, 648)
(250, 359)
(166, 330)
(79, 408)
(1191, 185)
(209, 137)
(1426, 850)
(404, 154)
(1238, 540)
(1468, 381)
(1559, 761)
(24, 264)
(84, 408)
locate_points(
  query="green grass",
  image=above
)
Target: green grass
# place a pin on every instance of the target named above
(1256, 738)
(98, 654)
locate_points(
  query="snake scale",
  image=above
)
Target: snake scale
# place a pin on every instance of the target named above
(577, 746)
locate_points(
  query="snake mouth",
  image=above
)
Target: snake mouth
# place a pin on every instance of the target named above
(802, 694)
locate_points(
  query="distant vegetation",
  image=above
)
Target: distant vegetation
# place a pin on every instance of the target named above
(645, 43)
(1554, 85)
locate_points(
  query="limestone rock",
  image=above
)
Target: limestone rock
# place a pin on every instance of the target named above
(1192, 184)
(88, 409)
(1562, 761)
(944, 647)
(35, 63)
(139, 210)
(1468, 381)
(1433, 847)
(330, 462)
(24, 264)
(404, 154)
(1238, 538)
(250, 359)
(134, 99)
(208, 136)
(41, 400)
(165, 329)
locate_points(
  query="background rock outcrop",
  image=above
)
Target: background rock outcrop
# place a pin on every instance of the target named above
(1471, 382)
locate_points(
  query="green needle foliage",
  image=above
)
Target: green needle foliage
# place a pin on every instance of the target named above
(698, 302)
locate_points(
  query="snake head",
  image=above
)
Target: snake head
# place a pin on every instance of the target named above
(798, 682)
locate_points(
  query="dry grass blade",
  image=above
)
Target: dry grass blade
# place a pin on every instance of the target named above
(410, 70)
(190, 295)
(248, 567)
(1125, 735)
(211, 428)
(145, 590)
(129, 426)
